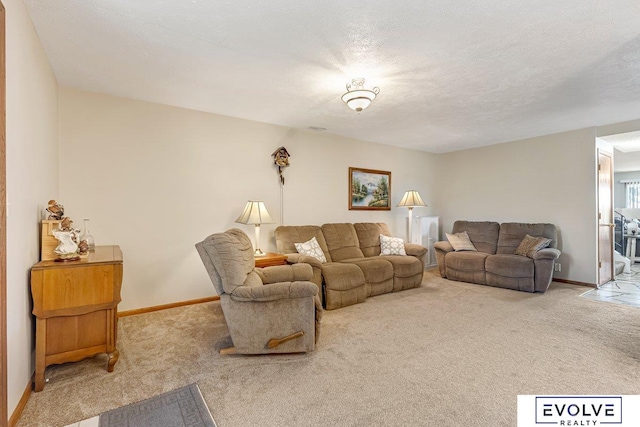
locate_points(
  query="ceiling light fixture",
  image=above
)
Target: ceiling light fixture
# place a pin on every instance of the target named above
(357, 97)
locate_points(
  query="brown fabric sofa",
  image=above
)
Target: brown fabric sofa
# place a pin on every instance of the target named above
(354, 270)
(496, 263)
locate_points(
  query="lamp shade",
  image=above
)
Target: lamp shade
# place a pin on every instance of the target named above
(255, 213)
(411, 199)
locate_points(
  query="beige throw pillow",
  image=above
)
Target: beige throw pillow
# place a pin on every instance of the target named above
(530, 245)
(311, 248)
(461, 242)
(391, 246)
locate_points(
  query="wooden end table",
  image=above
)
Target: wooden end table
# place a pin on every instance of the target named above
(76, 309)
(270, 260)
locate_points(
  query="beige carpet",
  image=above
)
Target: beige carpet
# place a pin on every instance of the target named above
(445, 354)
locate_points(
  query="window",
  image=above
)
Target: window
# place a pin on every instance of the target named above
(633, 193)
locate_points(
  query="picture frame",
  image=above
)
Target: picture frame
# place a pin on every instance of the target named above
(369, 189)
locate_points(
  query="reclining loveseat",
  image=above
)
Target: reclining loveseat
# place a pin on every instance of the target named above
(494, 260)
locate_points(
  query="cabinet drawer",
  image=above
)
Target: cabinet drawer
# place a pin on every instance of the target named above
(77, 287)
(68, 333)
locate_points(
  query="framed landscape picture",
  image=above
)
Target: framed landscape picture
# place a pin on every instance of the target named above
(369, 190)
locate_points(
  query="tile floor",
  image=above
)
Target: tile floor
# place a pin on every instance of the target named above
(91, 422)
(624, 290)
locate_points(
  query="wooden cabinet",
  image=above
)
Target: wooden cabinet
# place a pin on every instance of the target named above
(76, 309)
(425, 233)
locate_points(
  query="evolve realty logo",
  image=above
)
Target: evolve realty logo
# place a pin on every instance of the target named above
(578, 410)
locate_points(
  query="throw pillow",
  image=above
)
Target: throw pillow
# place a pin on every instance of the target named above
(461, 242)
(530, 245)
(391, 246)
(311, 248)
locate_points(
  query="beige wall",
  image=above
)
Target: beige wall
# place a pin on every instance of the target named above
(616, 128)
(156, 179)
(32, 179)
(546, 179)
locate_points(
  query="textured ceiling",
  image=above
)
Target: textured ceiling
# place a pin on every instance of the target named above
(452, 74)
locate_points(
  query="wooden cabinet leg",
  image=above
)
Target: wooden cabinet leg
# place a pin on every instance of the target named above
(39, 383)
(41, 346)
(113, 358)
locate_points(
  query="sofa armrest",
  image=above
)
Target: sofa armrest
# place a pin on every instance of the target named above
(543, 261)
(296, 258)
(418, 251)
(443, 246)
(300, 258)
(547, 253)
(275, 291)
(285, 273)
(415, 250)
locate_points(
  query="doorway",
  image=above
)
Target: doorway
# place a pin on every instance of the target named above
(625, 149)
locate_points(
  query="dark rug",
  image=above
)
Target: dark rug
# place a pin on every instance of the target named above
(181, 407)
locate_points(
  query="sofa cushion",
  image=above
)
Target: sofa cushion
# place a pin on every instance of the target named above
(288, 235)
(342, 241)
(342, 276)
(466, 267)
(483, 234)
(525, 284)
(512, 233)
(311, 248)
(344, 285)
(507, 265)
(402, 283)
(369, 236)
(391, 246)
(530, 245)
(376, 270)
(381, 265)
(404, 266)
(466, 261)
(460, 242)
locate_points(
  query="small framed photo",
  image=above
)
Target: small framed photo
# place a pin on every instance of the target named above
(369, 190)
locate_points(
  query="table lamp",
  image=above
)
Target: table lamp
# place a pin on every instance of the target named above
(410, 200)
(255, 213)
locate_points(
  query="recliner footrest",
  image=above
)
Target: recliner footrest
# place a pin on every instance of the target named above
(344, 285)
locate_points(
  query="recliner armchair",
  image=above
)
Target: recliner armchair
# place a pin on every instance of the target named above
(267, 310)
